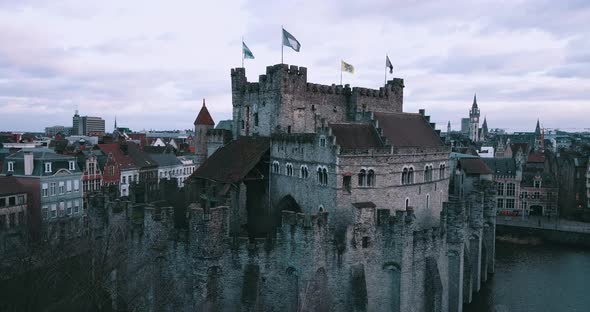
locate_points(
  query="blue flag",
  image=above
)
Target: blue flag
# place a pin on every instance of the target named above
(290, 41)
(247, 53)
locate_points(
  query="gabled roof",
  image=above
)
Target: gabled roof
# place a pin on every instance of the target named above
(124, 161)
(362, 136)
(204, 118)
(140, 158)
(501, 166)
(523, 146)
(408, 130)
(536, 158)
(58, 162)
(164, 160)
(232, 162)
(474, 166)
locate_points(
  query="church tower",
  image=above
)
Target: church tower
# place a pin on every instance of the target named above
(483, 134)
(538, 137)
(203, 123)
(474, 121)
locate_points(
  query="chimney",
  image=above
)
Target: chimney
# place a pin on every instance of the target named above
(422, 111)
(29, 163)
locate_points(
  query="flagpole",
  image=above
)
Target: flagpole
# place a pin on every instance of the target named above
(282, 45)
(385, 80)
(242, 51)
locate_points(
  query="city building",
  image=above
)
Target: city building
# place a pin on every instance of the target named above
(91, 172)
(87, 125)
(52, 131)
(13, 216)
(465, 126)
(507, 176)
(169, 167)
(203, 123)
(118, 167)
(56, 197)
(474, 121)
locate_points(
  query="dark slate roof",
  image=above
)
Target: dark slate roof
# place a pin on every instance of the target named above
(58, 162)
(204, 118)
(10, 186)
(474, 166)
(355, 135)
(536, 158)
(547, 180)
(164, 160)
(225, 124)
(408, 130)
(232, 162)
(501, 166)
(140, 158)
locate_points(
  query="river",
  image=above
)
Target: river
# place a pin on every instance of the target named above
(537, 279)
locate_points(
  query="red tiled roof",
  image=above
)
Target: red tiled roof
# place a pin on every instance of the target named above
(355, 135)
(232, 162)
(536, 158)
(474, 166)
(10, 186)
(204, 118)
(408, 130)
(124, 161)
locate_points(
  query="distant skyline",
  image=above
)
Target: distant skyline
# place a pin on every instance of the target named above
(151, 63)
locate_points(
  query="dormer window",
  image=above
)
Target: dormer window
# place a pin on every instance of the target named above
(47, 167)
(322, 141)
(72, 165)
(10, 166)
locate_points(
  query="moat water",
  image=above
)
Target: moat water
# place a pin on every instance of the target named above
(537, 279)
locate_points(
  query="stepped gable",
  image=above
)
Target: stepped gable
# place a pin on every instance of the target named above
(204, 118)
(232, 162)
(350, 135)
(408, 130)
(474, 166)
(124, 161)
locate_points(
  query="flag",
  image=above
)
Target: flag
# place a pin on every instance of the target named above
(388, 64)
(247, 53)
(290, 41)
(347, 67)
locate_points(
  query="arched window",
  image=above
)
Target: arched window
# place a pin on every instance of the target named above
(362, 177)
(411, 175)
(441, 171)
(407, 203)
(275, 167)
(325, 174)
(304, 172)
(405, 176)
(320, 176)
(371, 178)
(289, 169)
(428, 173)
(321, 208)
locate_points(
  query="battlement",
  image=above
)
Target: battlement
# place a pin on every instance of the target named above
(304, 221)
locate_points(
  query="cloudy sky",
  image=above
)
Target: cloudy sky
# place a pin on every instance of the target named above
(151, 63)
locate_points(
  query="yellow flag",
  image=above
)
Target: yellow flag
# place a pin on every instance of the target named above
(347, 67)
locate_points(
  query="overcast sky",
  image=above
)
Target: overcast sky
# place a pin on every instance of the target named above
(151, 63)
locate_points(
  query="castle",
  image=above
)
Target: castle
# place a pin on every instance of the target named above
(328, 198)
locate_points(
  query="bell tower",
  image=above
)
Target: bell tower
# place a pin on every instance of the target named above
(474, 121)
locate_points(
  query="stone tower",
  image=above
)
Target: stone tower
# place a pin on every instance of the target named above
(203, 123)
(484, 130)
(538, 137)
(474, 121)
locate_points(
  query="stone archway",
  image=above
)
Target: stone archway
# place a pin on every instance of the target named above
(288, 203)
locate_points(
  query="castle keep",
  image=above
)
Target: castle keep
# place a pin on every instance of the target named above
(328, 198)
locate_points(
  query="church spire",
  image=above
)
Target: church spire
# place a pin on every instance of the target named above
(115, 122)
(474, 101)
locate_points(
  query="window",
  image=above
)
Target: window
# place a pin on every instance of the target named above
(346, 183)
(371, 178)
(321, 208)
(289, 169)
(256, 119)
(62, 209)
(323, 176)
(411, 175)
(304, 172)
(69, 186)
(21, 199)
(124, 179)
(72, 165)
(2, 222)
(69, 208)
(536, 195)
(500, 188)
(276, 168)
(322, 141)
(76, 185)
(407, 203)
(62, 188)
(428, 173)
(44, 190)
(112, 171)
(427, 201)
(76, 207)
(510, 203)
(44, 212)
(3, 202)
(52, 189)
(10, 166)
(362, 177)
(405, 176)
(47, 167)
(53, 210)
(500, 203)
(510, 189)
(537, 184)
(441, 171)
(242, 124)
